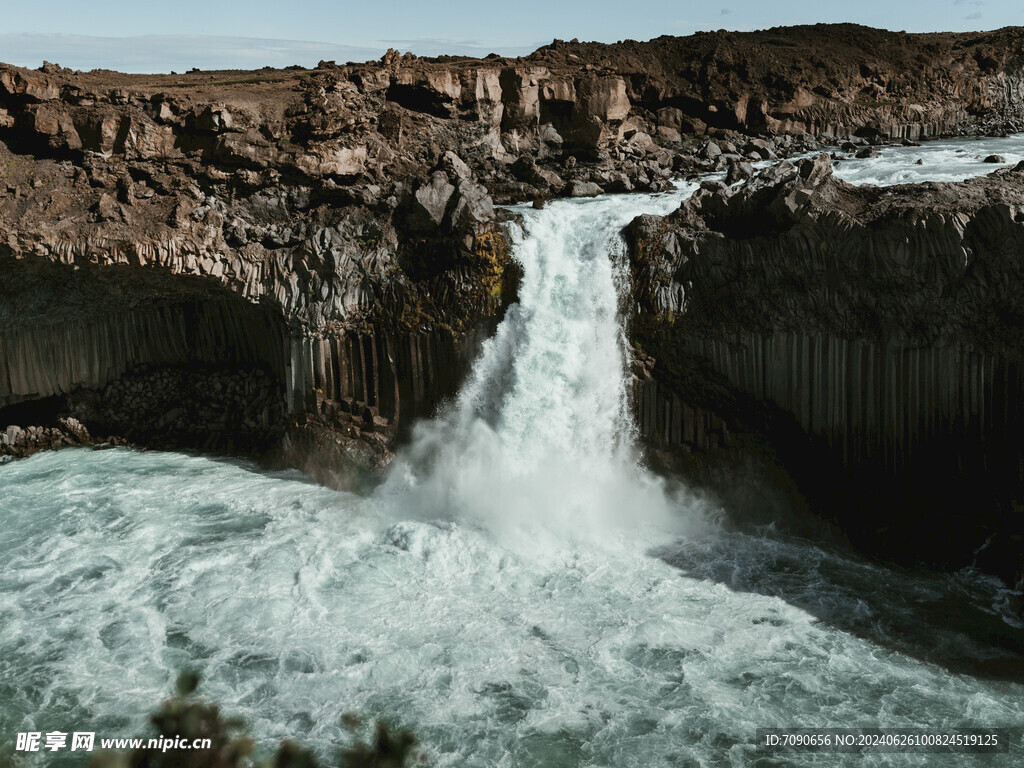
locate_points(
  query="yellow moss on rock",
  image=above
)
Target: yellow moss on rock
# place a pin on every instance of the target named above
(492, 249)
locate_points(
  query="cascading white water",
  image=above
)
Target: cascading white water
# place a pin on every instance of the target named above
(540, 441)
(619, 643)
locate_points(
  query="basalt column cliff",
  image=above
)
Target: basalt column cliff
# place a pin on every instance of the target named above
(870, 337)
(296, 263)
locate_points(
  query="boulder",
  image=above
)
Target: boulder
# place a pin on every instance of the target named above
(584, 189)
(994, 159)
(619, 182)
(711, 151)
(587, 131)
(56, 125)
(640, 142)
(213, 118)
(669, 135)
(472, 206)
(551, 142)
(430, 202)
(526, 169)
(549, 135)
(453, 165)
(761, 148)
(738, 170)
(693, 125)
(73, 427)
(815, 170)
(670, 117)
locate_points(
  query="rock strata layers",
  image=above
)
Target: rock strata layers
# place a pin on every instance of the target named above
(141, 243)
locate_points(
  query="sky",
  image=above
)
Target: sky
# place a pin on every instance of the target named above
(210, 34)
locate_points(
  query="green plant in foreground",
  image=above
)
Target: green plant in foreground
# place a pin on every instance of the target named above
(189, 718)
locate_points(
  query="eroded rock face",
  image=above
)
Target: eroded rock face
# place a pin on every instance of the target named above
(911, 264)
(869, 339)
(827, 80)
(130, 219)
(354, 205)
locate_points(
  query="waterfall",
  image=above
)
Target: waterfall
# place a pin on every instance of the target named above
(541, 437)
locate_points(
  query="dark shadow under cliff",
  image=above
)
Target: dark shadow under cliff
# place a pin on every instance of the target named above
(958, 622)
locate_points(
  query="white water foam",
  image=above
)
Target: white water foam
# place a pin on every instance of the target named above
(539, 444)
(297, 604)
(942, 160)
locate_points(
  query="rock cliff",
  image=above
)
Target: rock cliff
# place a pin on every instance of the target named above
(827, 79)
(872, 337)
(143, 234)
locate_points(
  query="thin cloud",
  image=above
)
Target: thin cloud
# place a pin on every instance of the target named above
(435, 46)
(164, 53)
(433, 41)
(972, 16)
(726, 11)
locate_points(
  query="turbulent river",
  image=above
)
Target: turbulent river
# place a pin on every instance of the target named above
(519, 592)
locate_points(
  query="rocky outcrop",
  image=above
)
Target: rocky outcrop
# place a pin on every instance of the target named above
(871, 336)
(171, 234)
(829, 80)
(20, 442)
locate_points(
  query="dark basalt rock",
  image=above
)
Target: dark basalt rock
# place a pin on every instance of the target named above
(584, 189)
(863, 342)
(430, 203)
(738, 170)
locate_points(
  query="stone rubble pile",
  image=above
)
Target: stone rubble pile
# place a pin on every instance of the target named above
(355, 419)
(238, 410)
(193, 405)
(25, 441)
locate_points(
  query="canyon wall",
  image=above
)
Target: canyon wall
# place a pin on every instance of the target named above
(59, 357)
(133, 251)
(329, 238)
(871, 336)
